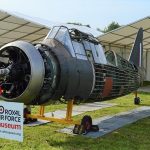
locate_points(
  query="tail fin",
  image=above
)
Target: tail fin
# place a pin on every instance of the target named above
(136, 55)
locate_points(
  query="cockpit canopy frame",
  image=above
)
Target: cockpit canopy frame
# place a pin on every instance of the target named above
(79, 44)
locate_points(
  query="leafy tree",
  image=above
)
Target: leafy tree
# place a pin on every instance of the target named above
(110, 27)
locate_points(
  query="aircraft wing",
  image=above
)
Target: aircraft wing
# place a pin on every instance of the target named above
(15, 26)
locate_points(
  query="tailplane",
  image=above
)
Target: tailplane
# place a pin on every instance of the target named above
(136, 55)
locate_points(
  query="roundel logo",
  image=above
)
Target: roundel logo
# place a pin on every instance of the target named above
(1, 109)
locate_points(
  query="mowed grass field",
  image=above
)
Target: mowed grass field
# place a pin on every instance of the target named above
(135, 136)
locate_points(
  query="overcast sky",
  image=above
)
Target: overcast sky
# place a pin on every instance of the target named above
(97, 13)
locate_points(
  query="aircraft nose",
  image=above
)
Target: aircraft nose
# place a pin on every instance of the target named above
(21, 71)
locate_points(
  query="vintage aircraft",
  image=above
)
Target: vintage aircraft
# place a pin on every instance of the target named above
(68, 64)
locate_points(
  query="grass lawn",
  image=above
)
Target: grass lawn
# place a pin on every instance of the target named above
(135, 136)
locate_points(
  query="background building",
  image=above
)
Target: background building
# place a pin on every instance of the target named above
(122, 39)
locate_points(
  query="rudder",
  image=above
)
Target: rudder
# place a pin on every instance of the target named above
(136, 55)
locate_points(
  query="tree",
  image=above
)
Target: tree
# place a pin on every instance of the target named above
(110, 27)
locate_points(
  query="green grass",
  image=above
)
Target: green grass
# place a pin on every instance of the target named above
(131, 137)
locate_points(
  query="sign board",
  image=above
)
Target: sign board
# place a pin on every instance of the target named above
(11, 120)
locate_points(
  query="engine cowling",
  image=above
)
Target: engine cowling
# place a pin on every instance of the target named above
(26, 75)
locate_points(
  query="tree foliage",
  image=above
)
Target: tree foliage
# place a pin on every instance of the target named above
(113, 25)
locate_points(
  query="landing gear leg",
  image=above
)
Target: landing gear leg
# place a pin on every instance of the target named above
(136, 99)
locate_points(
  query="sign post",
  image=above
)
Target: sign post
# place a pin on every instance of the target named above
(11, 120)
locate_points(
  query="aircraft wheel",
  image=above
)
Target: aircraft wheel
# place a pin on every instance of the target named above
(137, 101)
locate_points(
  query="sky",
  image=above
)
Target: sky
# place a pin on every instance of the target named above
(96, 13)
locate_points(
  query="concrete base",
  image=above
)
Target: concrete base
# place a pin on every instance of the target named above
(108, 124)
(36, 123)
(79, 109)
